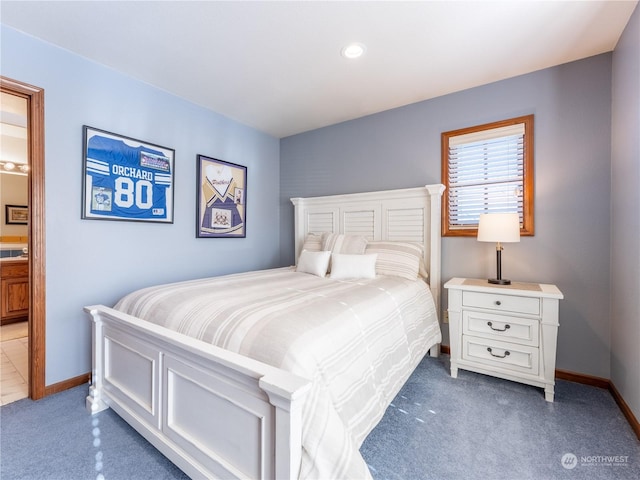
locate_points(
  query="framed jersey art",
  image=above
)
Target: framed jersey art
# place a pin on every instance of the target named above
(126, 179)
(221, 199)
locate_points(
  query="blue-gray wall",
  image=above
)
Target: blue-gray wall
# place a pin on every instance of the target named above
(625, 216)
(401, 148)
(96, 262)
(90, 261)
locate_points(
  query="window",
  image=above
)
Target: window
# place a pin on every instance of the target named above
(487, 169)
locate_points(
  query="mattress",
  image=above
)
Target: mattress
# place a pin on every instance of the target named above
(356, 340)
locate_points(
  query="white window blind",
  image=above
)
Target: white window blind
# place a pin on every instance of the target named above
(485, 174)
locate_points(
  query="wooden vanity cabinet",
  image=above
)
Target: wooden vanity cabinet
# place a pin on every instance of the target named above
(14, 286)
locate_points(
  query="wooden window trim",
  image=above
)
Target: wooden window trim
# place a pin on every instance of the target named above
(527, 228)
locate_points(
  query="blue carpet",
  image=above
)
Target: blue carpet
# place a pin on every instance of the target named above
(472, 427)
(56, 439)
(480, 427)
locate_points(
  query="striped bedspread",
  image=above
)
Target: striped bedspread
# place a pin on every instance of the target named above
(356, 340)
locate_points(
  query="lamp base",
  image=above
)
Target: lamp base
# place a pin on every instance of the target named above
(499, 281)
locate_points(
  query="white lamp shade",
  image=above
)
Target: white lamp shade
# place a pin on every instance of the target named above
(499, 227)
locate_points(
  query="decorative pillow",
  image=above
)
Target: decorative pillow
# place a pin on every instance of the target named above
(315, 263)
(313, 243)
(345, 266)
(401, 259)
(348, 244)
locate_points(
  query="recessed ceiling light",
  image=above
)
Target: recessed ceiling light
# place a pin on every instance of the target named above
(353, 50)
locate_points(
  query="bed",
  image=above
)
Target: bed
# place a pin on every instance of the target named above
(280, 373)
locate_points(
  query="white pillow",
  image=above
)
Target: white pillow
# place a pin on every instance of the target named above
(345, 266)
(315, 263)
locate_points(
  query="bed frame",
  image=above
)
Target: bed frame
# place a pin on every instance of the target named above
(217, 414)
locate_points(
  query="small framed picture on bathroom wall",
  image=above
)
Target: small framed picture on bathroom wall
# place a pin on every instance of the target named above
(16, 214)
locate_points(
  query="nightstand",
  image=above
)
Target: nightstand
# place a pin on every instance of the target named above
(507, 331)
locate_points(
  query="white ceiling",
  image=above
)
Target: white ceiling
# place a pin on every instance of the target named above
(276, 66)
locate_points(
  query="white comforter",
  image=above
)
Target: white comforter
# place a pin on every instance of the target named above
(356, 340)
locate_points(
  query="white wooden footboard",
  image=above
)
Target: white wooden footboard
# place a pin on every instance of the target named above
(214, 413)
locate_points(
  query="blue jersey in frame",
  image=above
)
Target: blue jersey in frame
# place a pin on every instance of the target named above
(126, 181)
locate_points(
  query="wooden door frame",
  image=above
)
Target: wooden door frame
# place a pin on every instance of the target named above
(36, 229)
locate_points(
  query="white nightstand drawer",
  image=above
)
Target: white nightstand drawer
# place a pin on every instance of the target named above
(499, 302)
(519, 358)
(501, 327)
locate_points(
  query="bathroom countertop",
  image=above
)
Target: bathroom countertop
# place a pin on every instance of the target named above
(13, 259)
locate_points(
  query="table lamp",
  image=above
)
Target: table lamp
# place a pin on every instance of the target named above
(499, 228)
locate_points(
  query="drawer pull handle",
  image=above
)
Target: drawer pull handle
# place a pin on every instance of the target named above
(506, 353)
(506, 327)
(498, 302)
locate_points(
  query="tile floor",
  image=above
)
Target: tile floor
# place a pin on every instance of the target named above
(14, 369)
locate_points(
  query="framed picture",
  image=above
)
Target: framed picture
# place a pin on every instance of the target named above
(221, 199)
(16, 214)
(126, 179)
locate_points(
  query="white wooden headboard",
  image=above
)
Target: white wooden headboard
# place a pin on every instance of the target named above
(405, 215)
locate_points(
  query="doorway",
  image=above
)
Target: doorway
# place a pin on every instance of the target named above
(34, 97)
